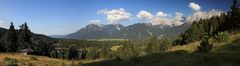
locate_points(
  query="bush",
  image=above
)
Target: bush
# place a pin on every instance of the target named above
(10, 61)
(32, 58)
(222, 36)
(205, 45)
(72, 53)
(31, 64)
(92, 53)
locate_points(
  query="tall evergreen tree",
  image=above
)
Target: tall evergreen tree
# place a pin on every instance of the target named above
(25, 37)
(234, 9)
(10, 39)
(234, 22)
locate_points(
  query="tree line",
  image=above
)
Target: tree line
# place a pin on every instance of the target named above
(217, 27)
(17, 40)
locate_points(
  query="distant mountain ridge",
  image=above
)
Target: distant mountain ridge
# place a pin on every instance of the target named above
(141, 31)
(138, 31)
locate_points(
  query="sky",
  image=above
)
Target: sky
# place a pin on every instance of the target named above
(58, 17)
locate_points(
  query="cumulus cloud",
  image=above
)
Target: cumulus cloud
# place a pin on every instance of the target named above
(203, 15)
(115, 16)
(161, 14)
(158, 19)
(161, 21)
(178, 19)
(144, 15)
(194, 6)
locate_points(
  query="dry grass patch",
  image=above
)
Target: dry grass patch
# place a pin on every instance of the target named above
(24, 60)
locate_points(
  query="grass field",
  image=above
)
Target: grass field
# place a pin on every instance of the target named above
(24, 60)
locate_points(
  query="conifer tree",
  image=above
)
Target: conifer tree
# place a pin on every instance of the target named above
(10, 39)
(25, 37)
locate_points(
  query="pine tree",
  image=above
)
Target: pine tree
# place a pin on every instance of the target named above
(234, 9)
(10, 39)
(235, 12)
(25, 37)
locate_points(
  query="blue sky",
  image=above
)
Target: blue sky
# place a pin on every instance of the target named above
(54, 17)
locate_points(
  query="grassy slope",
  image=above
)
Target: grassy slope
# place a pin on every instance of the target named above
(222, 54)
(24, 60)
(234, 40)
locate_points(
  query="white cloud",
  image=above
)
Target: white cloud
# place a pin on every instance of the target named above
(144, 15)
(194, 6)
(115, 16)
(161, 21)
(161, 14)
(203, 15)
(178, 19)
(158, 19)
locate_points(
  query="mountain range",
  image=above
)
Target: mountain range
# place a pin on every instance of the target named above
(138, 31)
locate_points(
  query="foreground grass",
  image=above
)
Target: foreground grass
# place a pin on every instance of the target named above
(178, 58)
(25, 60)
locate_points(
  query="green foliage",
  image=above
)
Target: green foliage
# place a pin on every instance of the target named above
(24, 37)
(41, 47)
(233, 18)
(10, 39)
(31, 64)
(165, 43)
(210, 27)
(153, 45)
(33, 58)
(10, 61)
(156, 45)
(222, 36)
(93, 53)
(127, 51)
(205, 45)
(72, 53)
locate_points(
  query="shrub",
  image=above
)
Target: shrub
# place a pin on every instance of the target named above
(31, 64)
(32, 58)
(222, 36)
(10, 61)
(205, 45)
(72, 53)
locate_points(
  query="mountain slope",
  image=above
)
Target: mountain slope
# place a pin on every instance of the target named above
(94, 31)
(138, 31)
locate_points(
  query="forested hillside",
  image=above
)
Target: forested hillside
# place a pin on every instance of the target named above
(213, 41)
